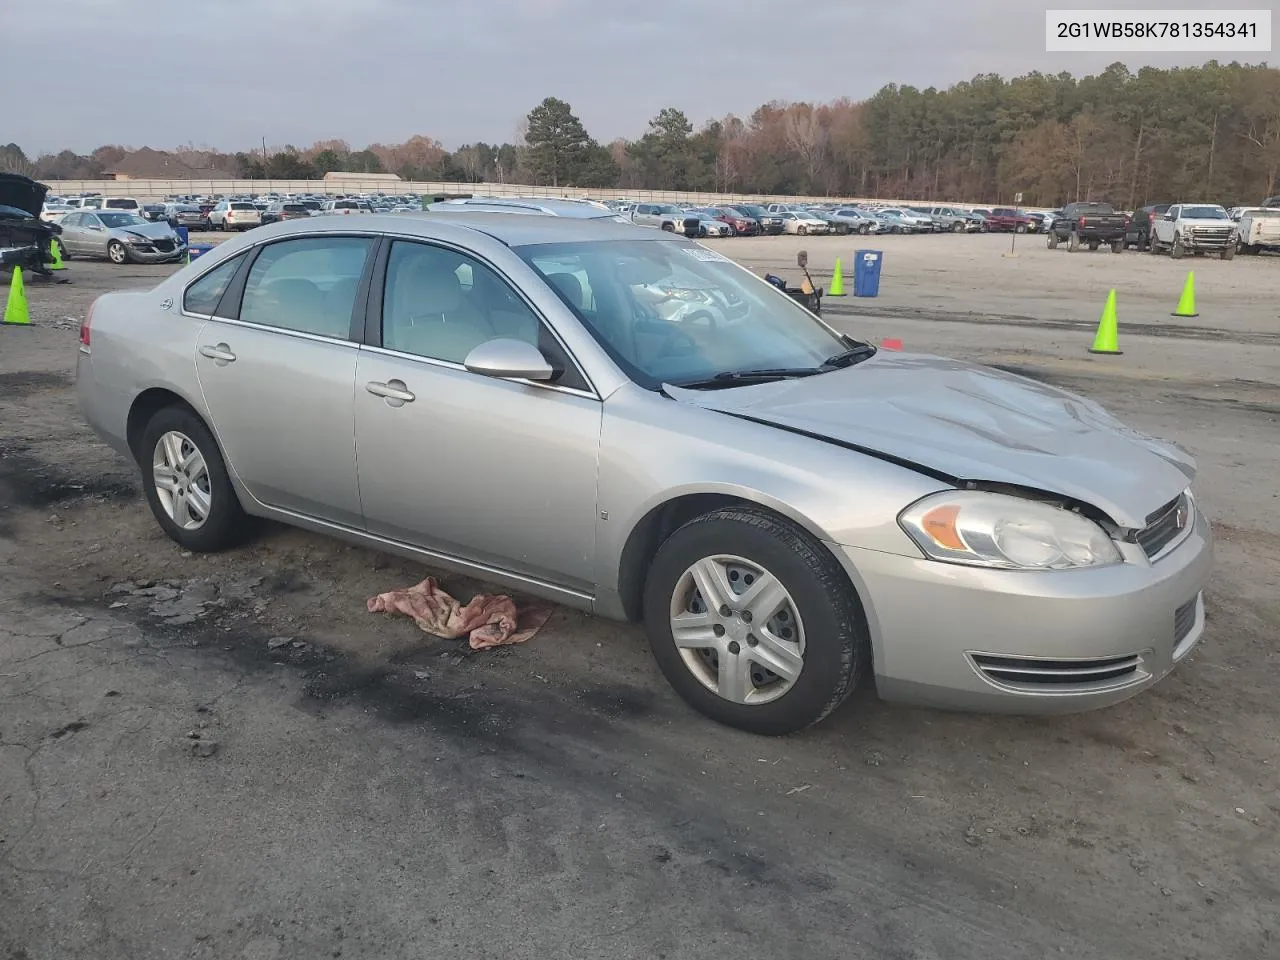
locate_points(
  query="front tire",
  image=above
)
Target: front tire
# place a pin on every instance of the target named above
(1177, 251)
(1228, 253)
(117, 253)
(753, 622)
(1051, 240)
(186, 483)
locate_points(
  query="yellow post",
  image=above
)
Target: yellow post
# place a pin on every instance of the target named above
(1107, 339)
(1187, 302)
(16, 310)
(837, 281)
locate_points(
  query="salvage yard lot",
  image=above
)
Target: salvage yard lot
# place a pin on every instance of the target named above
(225, 756)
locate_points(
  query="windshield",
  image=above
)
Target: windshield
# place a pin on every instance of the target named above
(670, 311)
(1204, 213)
(121, 219)
(754, 211)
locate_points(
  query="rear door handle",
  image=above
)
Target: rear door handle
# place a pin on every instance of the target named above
(221, 354)
(394, 391)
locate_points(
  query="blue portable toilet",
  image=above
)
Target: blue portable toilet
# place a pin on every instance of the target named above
(183, 234)
(199, 249)
(866, 272)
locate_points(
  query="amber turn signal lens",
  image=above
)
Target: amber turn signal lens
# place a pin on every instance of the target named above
(940, 524)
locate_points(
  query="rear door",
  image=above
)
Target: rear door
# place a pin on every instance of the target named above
(276, 362)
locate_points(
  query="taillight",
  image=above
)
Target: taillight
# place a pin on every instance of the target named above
(84, 328)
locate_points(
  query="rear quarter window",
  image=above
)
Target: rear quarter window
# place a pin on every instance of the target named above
(202, 296)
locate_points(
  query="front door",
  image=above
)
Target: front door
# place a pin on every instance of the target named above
(278, 376)
(500, 473)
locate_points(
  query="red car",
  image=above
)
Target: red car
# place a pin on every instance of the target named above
(1008, 220)
(743, 226)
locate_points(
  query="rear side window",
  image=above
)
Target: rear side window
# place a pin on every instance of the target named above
(243, 206)
(307, 285)
(202, 296)
(121, 204)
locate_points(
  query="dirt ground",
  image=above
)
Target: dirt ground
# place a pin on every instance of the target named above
(226, 756)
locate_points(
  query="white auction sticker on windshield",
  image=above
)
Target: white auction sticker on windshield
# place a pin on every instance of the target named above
(707, 256)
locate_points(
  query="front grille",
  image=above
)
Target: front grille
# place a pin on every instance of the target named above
(164, 246)
(1032, 672)
(1211, 233)
(1184, 619)
(1164, 526)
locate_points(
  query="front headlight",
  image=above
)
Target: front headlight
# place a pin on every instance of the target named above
(995, 530)
(136, 238)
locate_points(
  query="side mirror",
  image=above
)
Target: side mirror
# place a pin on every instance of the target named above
(802, 258)
(509, 359)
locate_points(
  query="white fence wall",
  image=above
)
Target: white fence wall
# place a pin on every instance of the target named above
(148, 190)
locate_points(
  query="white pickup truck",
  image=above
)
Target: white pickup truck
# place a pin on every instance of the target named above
(1196, 228)
(1259, 230)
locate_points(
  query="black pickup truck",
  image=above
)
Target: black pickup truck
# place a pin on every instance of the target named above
(1093, 224)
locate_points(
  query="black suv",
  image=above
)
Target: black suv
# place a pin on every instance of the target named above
(1139, 232)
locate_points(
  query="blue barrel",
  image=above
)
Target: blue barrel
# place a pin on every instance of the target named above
(183, 234)
(196, 249)
(866, 272)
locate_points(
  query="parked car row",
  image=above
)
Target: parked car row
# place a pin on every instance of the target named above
(233, 213)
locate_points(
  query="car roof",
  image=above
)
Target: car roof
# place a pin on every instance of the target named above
(553, 206)
(511, 229)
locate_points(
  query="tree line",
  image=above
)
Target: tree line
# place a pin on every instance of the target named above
(1207, 133)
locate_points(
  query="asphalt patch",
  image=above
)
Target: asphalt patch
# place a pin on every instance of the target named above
(23, 383)
(27, 481)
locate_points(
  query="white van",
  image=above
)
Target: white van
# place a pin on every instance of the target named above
(113, 203)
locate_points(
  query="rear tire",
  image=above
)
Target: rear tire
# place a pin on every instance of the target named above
(819, 629)
(209, 492)
(1073, 242)
(1117, 246)
(1051, 240)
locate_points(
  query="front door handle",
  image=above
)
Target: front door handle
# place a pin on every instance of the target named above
(221, 354)
(393, 391)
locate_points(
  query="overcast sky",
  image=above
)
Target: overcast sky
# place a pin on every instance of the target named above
(226, 73)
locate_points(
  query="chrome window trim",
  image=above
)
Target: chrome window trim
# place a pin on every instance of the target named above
(461, 368)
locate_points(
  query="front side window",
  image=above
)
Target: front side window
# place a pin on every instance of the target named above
(307, 285)
(672, 311)
(202, 296)
(442, 304)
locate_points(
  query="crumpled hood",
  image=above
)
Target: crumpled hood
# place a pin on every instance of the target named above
(22, 192)
(973, 423)
(155, 231)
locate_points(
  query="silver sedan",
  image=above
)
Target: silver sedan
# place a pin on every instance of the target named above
(785, 508)
(120, 237)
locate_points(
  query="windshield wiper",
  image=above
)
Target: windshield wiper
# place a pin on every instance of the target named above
(734, 378)
(847, 358)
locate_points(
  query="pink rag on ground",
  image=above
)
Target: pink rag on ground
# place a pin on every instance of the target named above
(489, 620)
